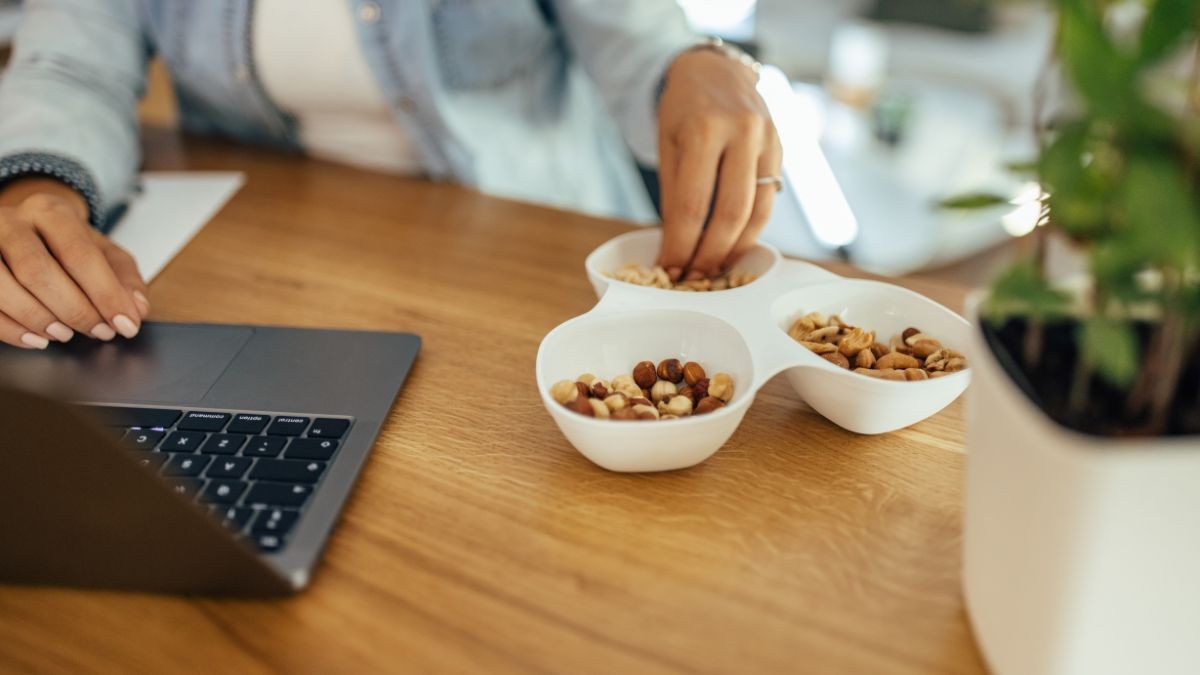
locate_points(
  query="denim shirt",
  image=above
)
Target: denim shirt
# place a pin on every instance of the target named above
(528, 99)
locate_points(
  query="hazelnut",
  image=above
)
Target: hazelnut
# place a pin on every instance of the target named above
(599, 410)
(692, 371)
(677, 405)
(636, 401)
(721, 386)
(909, 332)
(913, 374)
(896, 360)
(625, 414)
(865, 359)
(586, 378)
(662, 389)
(582, 405)
(837, 359)
(645, 412)
(644, 374)
(879, 349)
(622, 381)
(645, 393)
(670, 370)
(564, 391)
(709, 404)
(616, 401)
(689, 393)
(630, 390)
(584, 390)
(600, 389)
(855, 341)
(700, 389)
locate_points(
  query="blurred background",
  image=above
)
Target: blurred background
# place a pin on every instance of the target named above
(907, 105)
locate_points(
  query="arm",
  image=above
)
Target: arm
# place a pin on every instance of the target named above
(68, 154)
(710, 133)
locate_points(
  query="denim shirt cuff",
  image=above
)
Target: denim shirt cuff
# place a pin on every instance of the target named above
(65, 169)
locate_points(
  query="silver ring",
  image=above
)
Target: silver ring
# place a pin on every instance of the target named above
(777, 181)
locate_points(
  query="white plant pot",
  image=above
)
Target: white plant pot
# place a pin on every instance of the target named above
(1081, 554)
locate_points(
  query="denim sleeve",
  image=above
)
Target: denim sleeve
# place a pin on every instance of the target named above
(626, 47)
(68, 100)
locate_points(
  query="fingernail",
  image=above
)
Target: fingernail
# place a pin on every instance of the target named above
(674, 273)
(125, 326)
(103, 331)
(142, 303)
(35, 341)
(60, 332)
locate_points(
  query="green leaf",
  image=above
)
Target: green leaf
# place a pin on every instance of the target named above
(1023, 291)
(1111, 348)
(1103, 75)
(1162, 216)
(1165, 25)
(972, 200)
(1022, 167)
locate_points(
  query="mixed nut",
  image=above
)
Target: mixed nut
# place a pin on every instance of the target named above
(670, 390)
(912, 355)
(656, 277)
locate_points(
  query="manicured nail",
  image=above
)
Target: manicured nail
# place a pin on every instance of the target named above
(35, 341)
(60, 332)
(674, 273)
(142, 303)
(103, 331)
(125, 326)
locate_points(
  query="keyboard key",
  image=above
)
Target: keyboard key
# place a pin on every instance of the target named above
(223, 491)
(248, 424)
(188, 487)
(229, 467)
(274, 521)
(116, 416)
(288, 426)
(287, 471)
(152, 460)
(182, 441)
(268, 543)
(236, 517)
(203, 421)
(328, 427)
(265, 446)
(185, 465)
(310, 448)
(223, 444)
(277, 494)
(139, 439)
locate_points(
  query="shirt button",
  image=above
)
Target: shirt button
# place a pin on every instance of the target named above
(368, 12)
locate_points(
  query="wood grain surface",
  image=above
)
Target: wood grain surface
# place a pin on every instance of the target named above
(478, 540)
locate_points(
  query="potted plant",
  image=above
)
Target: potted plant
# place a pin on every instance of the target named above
(1082, 520)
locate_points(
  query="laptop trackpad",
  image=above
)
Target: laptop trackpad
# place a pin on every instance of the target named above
(166, 363)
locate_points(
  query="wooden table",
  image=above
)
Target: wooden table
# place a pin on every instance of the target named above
(478, 540)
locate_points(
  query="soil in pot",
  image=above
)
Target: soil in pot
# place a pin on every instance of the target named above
(1093, 406)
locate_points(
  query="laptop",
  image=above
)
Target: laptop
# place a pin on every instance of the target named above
(201, 459)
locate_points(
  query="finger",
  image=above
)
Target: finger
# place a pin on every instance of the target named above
(87, 265)
(686, 199)
(33, 266)
(735, 201)
(771, 164)
(15, 334)
(19, 306)
(126, 269)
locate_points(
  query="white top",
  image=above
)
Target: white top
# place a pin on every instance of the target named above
(311, 65)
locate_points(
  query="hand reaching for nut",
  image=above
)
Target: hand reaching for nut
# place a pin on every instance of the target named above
(649, 393)
(656, 277)
(912, 355)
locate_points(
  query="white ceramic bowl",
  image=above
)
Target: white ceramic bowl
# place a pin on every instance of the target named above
(610, 343)
(642, 246)
(856, 402)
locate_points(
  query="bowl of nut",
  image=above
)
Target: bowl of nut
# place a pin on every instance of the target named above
(648, 389)
(875, 357)
(630, 259)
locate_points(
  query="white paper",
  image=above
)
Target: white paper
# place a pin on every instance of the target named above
(169, 211)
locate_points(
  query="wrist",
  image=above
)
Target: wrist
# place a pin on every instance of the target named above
(17, 191)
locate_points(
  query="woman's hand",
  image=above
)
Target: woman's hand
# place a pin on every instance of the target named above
(715, 136)
(59, 276)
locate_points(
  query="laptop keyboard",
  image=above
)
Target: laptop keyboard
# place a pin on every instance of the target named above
(254, 471)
